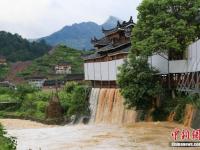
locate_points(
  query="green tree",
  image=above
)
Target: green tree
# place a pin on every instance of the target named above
(166, 26)
(15, 48)
(138, 83)
(74, 99)
(5, 142)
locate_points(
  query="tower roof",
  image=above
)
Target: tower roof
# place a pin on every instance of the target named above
(109, 44)
(119, 27)
(102, 42)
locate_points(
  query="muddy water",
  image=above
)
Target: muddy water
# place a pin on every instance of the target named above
(140, 136)
(108, 131)
(111, 110)
(189, 114)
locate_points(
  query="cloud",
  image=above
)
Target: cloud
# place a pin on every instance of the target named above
(36, 18)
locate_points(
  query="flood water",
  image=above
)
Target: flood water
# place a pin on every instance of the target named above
(102, 133)
(140, 136)
(110, 108)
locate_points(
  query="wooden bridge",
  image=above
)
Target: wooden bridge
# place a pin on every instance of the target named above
(189, 82)
(183, 72)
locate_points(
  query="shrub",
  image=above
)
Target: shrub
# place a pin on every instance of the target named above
(74, 99)
(5, 142)
(23, 90)
(41, 106)
(70, 86)
(79, 104)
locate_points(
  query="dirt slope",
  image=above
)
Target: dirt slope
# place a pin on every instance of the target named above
(17, 68)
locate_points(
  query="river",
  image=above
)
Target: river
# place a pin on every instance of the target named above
(140, 136)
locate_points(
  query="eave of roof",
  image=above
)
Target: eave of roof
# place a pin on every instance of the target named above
(111, 47)
(102, 42)
(93, 56)
(97, 56)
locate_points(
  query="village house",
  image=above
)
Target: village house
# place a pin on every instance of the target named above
(7, 84)
(101, 68)
(2, 60)
(50, 84)
(63, 68)
(36, 81)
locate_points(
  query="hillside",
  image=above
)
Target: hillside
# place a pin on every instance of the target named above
(44, 66)
(15, 48)
(4, 69)
(78, 36)
(16, 68)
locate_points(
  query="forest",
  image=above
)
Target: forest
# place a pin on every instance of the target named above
(15, 48)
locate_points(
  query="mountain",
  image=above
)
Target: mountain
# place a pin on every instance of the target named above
(14, 48)
(78, 36)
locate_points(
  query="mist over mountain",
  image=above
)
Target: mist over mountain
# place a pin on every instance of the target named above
(78, 36)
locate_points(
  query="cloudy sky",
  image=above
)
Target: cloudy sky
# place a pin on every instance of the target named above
(37, 18)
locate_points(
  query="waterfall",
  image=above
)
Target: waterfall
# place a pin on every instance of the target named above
(107, 106)
(192, 117)
(171, 116)
(93, 103)
(189, 115)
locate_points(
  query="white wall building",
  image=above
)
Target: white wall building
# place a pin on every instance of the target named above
(107, 71)
(63, 68)
(37, 81)
(191, 64)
